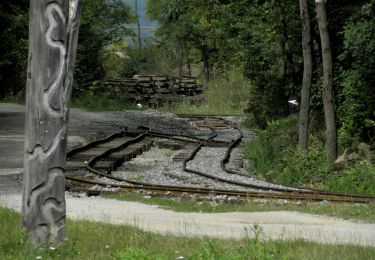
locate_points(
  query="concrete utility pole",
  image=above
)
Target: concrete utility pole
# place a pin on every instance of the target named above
(53, 35)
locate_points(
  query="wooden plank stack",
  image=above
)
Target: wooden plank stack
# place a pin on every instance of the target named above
(157, 90)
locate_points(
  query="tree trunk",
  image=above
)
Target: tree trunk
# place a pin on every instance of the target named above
(187, 58)
(180, 59)
(329, 111)
(282, 41)
(206, 70)
(307, 76)
(49, 78)
(139, 38)
(285, 54)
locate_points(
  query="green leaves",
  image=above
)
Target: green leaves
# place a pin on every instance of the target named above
(356, 79)
(13, 46)
(102, 23)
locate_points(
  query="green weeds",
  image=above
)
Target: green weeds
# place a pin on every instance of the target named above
(223, 97)
(96, 103)
(89, 240)
(278, 158)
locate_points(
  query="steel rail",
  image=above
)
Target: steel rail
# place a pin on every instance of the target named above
(95, 159)
(96, 142)
(162, 189)
(293, 194)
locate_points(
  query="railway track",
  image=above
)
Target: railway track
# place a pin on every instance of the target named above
(103, 156)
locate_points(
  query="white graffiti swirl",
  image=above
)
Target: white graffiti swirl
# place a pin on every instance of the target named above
(43, 155)
(51, 10)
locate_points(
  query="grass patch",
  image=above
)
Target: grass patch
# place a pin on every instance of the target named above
(14, 100)
(97, 103)
(223, 97)
(89, 240)
(345, 211)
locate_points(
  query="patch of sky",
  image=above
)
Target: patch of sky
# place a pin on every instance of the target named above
(148, 26)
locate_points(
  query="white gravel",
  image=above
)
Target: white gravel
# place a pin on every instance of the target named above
(285, 225)
(275, 225)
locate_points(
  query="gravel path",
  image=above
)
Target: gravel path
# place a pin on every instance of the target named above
(275, 225)
(86, 125)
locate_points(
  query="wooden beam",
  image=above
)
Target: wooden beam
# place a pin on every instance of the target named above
(52, 39)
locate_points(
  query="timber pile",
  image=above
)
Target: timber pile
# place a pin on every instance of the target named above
(157, 90)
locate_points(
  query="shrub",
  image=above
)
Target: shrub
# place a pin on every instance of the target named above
(304, 167)
(278, 158)
(359, 178)
(267, 150)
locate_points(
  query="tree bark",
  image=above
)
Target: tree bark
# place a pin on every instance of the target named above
(180, 59)
(282, 41)
(206, 69)
(329, 111)
(187, 58)
(139, 38)
(53, 34)
(307, 76)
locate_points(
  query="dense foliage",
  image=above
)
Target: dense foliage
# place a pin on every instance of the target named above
(103, 22)
(356, 80)
(13, 46)
(277, 159)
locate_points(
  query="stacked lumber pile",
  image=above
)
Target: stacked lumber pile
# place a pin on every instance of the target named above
(157, 90)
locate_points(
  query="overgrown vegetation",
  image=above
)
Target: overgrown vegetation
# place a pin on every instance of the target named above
(97, 103)
(222, 97)
(278, 158)
(345, 211)
(89, 240)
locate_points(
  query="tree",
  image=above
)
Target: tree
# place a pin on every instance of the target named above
(190, 23)
(307, 75)
(139, 38)
(356, 81)
(271, 58)
(13, 45)
(328, 101)
(102, 23)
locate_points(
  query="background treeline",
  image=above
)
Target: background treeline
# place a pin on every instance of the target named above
(262, 39)
(254, 46)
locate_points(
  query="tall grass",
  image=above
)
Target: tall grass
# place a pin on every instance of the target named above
(222, 96)
(97, 103)
(89, 240)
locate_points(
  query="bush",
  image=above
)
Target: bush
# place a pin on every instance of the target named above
(277, 158)
(303, 168)
(359, 178)
(267, 150)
